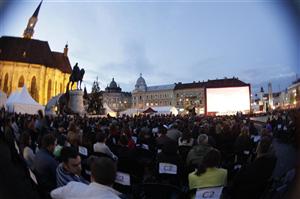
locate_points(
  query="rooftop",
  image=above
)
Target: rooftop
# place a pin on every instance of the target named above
(161, 87)
(32, 51)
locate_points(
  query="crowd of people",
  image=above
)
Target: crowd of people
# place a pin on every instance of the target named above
(134, 157)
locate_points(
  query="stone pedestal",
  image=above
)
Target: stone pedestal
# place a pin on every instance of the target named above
(76, 101)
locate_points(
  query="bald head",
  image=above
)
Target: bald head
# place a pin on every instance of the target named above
(202, 139)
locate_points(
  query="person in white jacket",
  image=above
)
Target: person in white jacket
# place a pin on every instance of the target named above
(103, 173)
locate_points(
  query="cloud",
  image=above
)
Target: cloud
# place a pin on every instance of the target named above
(259, 74)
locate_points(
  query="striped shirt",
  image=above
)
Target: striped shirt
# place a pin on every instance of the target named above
(63, 177)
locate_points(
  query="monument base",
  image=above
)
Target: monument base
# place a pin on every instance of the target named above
(76, 101)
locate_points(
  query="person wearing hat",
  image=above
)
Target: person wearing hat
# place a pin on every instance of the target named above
(197, 153)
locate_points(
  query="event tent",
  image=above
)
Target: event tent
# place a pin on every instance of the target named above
(3, 99)
(131, 111)
(22, 102)
(52, 103)
(165, 110)
(109, 111)
(149, 111)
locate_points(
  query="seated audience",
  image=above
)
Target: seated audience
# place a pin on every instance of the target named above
(186, 139)
(197, 153)
(208, 174)
(103, 174)
(70, 168)
(101, 147)
(163, 139)
(251, 181)
(44, 163)
(27, 152)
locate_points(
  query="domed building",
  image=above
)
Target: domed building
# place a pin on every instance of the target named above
(144, 96)
(28, 61)
(140, 85)
(116, 99)
(113, 88)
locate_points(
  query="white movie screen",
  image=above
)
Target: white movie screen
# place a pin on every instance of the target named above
(228, 101)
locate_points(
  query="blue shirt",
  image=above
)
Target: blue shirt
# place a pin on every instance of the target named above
(63, 177)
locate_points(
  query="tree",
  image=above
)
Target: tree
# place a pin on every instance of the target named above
(85, 94)
(96, 87)
(95, 105)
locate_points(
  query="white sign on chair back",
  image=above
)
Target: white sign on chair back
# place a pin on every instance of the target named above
(167, 168)
(123, 178)
(209, 193)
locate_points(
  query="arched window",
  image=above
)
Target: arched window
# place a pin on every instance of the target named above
(33, 89)
(49, 89)
(60, 88)
(21, 82)
(5, 87)
(55, 88)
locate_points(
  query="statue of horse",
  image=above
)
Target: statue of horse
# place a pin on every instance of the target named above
(63, 103)
(76, 76)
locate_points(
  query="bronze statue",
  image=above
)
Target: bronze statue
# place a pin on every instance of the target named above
(63, 103)
(76, 76)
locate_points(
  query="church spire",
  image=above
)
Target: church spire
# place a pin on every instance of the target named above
(28, 32)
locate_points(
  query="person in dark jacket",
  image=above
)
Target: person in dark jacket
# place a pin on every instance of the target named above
(251, 181)
(163, 139)
(45, 165)
(197, 153)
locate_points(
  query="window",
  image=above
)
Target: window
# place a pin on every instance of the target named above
(21, 82)
(49, 89)
(55, 91)
(5, 87)
(60, 88)
(33, 89)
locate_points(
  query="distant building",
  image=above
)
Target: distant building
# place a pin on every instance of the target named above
(116, 99)
(294, 93)
(144, 96)
(31, 62)
(263, 103)
(190, 96)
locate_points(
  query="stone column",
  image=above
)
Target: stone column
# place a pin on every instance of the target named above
(76, 101)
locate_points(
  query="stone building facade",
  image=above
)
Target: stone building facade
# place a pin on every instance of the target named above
(144, 96)
(190, 96)
(30, 62)
(116, 99)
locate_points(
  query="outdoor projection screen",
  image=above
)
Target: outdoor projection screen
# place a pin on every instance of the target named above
(228, 101)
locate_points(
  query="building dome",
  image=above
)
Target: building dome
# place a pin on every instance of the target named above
(113, 84)
(140, 84)
(113, 87)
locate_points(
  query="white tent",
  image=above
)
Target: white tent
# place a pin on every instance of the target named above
(52, 103)
(22, 102)
(109, 111)
(165, 110)
(3, 99)
(131, 111)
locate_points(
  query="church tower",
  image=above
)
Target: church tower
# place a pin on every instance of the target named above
(28, 32)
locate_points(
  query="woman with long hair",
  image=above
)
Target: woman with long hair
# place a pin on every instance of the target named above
(208, 174)
(27, 152)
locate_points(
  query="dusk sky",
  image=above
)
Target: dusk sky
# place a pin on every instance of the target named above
(167, 41)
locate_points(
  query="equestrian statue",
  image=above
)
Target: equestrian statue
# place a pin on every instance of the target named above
(63, 101)
(76, 76)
